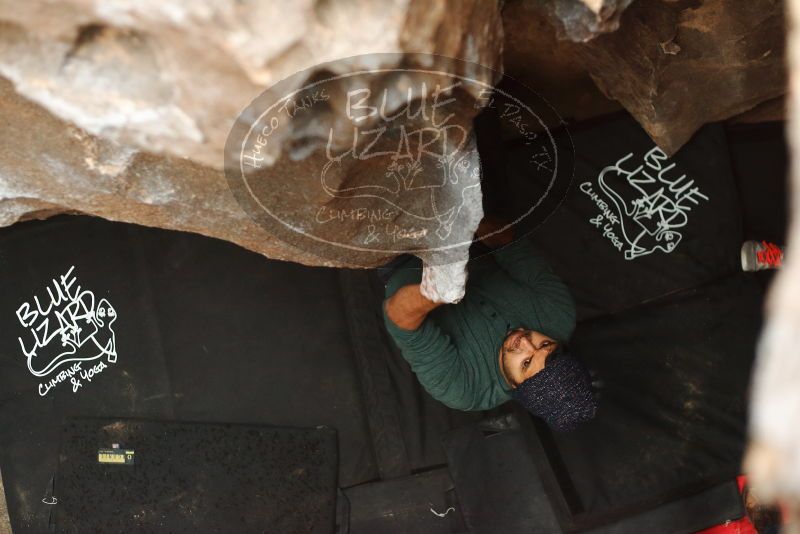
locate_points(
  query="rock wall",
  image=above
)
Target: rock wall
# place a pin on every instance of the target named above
(582, 20)
(121, 108)
(678, 64)
(532, 37)
(51, 166)
(171, 76)
(673, 64)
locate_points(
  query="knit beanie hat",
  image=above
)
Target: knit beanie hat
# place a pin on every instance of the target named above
(561, 393)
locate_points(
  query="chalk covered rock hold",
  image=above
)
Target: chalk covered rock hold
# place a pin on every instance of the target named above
(582, 20)
(444, 283)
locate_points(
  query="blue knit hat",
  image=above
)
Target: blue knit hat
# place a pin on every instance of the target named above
(561, 393)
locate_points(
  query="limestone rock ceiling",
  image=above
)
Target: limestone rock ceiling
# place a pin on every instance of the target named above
(673, 64)
(678, 64)
(121, 108)
(49, 166)
(171, 76)
(582, 20)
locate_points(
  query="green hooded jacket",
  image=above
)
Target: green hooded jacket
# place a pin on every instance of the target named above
(454, 353)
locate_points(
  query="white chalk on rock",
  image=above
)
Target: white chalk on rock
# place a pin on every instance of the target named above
(444, 283)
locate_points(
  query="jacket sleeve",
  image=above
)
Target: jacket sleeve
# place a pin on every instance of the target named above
(549, 296)
(435, 361)
(522, 262)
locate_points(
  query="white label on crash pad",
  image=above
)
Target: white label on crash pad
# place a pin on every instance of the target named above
(643, 205)
(68, 333)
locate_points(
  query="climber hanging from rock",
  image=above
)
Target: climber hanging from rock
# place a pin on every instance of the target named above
(505, 339)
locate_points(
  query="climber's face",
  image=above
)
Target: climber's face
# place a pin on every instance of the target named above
(523, 354)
